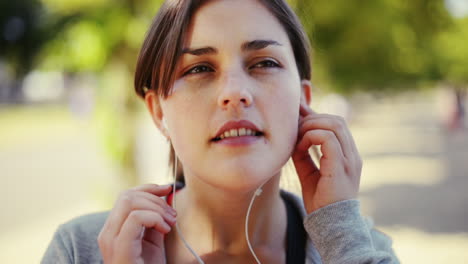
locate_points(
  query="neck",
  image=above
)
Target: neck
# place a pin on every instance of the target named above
(213, 219)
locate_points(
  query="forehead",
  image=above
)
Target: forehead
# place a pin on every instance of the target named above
(221, 22)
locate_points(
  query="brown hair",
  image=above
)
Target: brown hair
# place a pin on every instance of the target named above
(164, 42)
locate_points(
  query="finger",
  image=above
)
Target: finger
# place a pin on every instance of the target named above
(159, 190)
(153, 237)
(305, 110)
(329, 146)
(162, 202)
(146, 201)
(136, 200)
(134, 226)
(334, 124)
(308, 174)
(341, 120)
(306, 168)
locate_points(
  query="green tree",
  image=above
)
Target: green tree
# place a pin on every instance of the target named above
(376, 45)
(451, 54)
(451, 65)
(81, 37)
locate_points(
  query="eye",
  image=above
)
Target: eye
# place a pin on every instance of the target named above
(199, 69)
(265, 64)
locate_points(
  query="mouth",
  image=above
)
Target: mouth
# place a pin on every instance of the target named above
(236, 129)
(241, 132)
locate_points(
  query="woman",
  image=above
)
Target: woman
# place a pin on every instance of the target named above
(228, 84)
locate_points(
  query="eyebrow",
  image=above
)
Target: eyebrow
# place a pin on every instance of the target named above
(247, 46)
(200, 51)
(258, 44)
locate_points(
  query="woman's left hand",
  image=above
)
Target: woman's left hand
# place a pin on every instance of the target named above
(338, 176)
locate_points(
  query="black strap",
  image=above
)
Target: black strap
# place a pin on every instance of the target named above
(296, 237)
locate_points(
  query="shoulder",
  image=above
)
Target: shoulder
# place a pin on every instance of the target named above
(76, 240)
(83, 228)
(335, 220)
(347, 207)
(86, 224)
(381, 241)
(342, 235)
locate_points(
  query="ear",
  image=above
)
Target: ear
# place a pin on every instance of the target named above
(153, 104)
(306, 91)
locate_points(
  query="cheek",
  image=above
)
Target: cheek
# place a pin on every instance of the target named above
(187, 121)
(287, 120)
(283, 110)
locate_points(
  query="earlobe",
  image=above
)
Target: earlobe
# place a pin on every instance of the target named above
(152, 102)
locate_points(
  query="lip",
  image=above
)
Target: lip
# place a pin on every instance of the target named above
(236, 125)
(238, 141)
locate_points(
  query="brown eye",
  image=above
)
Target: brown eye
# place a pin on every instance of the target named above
(199, 69)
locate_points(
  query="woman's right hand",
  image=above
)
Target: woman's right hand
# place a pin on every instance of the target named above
(134, 231)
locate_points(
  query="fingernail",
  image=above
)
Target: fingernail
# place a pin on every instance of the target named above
(172, 211)
(171, 218)
(166, 226)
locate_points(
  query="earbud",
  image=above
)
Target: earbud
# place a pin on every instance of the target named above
(165, 128)
(164, 124)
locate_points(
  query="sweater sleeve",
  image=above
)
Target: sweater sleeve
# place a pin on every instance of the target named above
(341, 235)
(57, 251)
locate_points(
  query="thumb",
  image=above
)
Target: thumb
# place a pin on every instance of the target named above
(154, 239)
(307, 170)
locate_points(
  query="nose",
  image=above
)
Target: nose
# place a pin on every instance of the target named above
(235, 93)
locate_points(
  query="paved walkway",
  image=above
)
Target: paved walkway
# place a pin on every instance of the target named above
(415, 176)
(52, 170)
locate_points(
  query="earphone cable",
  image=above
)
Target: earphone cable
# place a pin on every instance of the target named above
(257, 193)
(199, 260)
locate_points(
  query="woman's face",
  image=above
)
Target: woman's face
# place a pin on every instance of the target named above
(237, 77)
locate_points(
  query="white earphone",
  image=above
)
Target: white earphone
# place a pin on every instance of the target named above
(258, 192)
(164, 123)
(166, 128)
(181, 236)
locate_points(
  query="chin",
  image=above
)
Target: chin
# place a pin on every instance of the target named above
(242, 176)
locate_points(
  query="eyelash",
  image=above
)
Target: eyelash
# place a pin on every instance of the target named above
(206, 68)
(195, 70)
(272, 63)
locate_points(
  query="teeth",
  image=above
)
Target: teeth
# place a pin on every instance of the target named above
(242, 132)
(237, 133)
(234, 133)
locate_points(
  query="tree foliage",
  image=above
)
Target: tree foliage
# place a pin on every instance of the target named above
(381, 44)
(451, 54)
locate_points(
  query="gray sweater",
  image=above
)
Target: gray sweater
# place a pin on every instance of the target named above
(337, 234)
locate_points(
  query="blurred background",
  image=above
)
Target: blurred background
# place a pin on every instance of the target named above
(73, 133)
